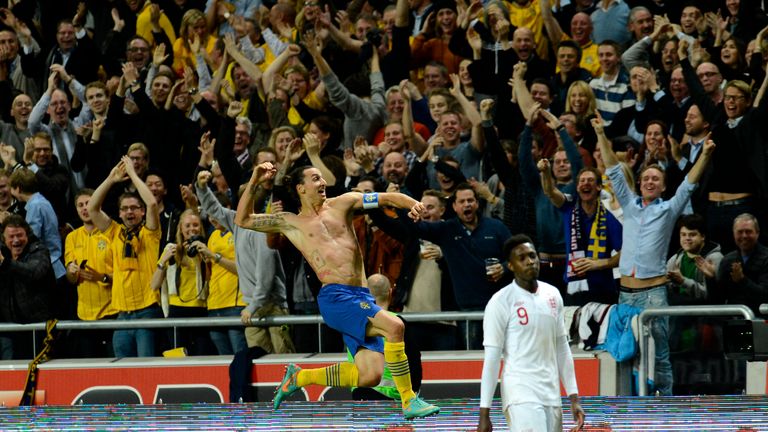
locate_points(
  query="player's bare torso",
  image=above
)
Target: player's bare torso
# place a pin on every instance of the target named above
(327, 240)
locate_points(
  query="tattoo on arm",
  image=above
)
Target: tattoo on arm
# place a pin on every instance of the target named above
(268, 220)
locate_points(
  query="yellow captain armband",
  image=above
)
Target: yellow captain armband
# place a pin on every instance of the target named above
(370, 200)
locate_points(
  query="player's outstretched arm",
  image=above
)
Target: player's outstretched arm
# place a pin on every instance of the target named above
(357, 201)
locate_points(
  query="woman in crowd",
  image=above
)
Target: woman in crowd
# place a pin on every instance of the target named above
(181, 277)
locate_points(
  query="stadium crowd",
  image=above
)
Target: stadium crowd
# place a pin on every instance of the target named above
(623, 136)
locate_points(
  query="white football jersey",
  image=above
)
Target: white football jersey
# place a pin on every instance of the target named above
(526, 327)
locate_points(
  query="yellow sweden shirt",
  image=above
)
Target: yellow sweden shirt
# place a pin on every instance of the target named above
(223, 287)
(130, 287)
(186, 284)
(93, 298)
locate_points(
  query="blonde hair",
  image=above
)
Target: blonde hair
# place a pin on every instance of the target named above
(587, 90)
(190, 18)
(275, 132)
(181, 251)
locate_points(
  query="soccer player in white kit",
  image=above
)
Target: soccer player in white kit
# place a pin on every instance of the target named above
(524, 322)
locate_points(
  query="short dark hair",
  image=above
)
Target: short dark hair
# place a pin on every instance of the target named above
(464, 186)
(134, 195)
(295, 178)
(513, 242)
(661, 124)
(693, 222)
(569, 43)
(544, 82)
(15, 221)
(612, 43)
(435, 193)
(593, 170)
(156, 173)
(83, 192)
(377, 186)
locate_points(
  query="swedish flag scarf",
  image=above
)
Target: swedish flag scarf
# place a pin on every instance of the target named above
(594, 249)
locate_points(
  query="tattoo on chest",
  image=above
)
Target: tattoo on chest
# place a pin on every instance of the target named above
(317, 259)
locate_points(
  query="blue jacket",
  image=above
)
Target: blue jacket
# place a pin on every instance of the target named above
(620, 341)
(465, 252)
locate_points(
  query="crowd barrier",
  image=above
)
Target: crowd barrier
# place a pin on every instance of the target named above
(614, 378)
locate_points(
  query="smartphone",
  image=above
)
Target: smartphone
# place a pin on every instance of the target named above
(82, 264)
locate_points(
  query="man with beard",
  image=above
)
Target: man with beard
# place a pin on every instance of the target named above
(394, 170)
(26, 282)
(466, 241)
(447, 141)
(697, 130)
(88, 256)
(135, 250)
(424, 284)
(736, 182)
(593, 238)
(322, 232)
(524, 322)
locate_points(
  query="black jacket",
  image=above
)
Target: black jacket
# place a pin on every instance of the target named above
(26, 285)
(753, 289)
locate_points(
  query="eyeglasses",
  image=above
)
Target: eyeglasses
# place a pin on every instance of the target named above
(734, 97)
(42, 150)
(707, 74)
(130, 208)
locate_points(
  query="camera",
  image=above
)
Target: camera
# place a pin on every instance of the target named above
(374, 36)
(191, 249)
